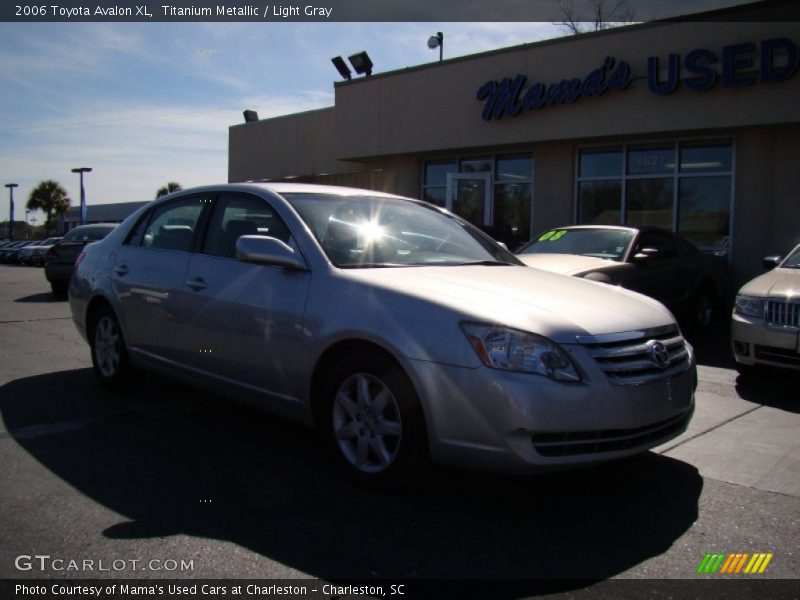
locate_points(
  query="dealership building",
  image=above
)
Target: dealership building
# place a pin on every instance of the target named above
(689, 125)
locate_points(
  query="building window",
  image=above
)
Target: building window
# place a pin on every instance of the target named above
(435, 181)
(513, 192)
(681, 186)
(508, 180)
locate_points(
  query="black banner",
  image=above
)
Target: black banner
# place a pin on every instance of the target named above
(379, 10)
(315, 589)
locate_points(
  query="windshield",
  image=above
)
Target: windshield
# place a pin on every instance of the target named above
(366, 231)
(602, 243)
(793, 260)
(87, 234)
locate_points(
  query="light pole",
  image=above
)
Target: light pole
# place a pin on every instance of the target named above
(437, 41)
(11, 187)
(81, 171)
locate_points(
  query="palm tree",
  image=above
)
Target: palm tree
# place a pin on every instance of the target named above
(51, 198)
(172, 186)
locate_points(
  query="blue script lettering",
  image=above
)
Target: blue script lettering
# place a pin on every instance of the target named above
(505, 98)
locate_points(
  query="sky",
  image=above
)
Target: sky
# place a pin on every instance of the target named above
(147, 103)
(143, 104)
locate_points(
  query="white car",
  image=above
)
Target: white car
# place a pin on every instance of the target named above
(765, 326)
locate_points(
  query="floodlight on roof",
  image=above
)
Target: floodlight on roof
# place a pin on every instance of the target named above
(437, 41)
(250, 116)
(342, 67)
(361, 63)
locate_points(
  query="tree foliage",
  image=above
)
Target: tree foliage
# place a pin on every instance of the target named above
(602, 14)
(50, 197)
(172, 186)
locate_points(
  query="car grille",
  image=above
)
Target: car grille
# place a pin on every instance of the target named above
(627, 359)
(777, 355)
(782, 313)
(610, 440)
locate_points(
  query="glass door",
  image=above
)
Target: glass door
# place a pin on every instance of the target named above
(469, 196)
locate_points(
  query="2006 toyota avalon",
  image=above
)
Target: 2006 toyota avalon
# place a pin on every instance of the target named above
(398, 329)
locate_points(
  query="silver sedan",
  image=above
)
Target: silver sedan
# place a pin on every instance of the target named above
(399, 330)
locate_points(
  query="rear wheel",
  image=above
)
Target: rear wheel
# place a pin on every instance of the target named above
(702, 309)
(109, 354)
(374, 422)
(59, 289)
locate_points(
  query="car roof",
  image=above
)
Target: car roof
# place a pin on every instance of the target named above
(109, 225)
(616, 227)
(281, 188)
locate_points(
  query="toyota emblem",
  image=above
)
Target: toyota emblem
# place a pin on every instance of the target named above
(658, 353)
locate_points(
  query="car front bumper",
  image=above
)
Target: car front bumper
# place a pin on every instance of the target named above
(753, 342)
(517, 422)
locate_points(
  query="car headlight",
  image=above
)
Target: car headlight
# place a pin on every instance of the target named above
(514, 350)
(749, 306)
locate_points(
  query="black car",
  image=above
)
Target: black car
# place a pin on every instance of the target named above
(60, 258)
(649, 260)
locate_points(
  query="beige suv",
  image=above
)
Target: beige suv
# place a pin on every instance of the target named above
(765, 326)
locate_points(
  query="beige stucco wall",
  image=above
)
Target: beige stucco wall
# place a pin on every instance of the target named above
(293, 145)
(766, 212)
(435, 108)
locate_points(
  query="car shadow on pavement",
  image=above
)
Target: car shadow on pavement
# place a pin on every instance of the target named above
(777, 388)
(172, 460)
(43, 297)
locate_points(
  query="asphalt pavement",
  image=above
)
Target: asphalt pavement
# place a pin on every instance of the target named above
(165, 473)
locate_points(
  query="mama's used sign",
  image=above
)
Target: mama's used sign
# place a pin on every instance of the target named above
(778, 60)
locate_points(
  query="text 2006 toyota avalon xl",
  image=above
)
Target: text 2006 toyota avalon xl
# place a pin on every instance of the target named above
(401, 331)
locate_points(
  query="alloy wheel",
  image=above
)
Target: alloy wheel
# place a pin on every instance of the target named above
(366, 423)
(107, 347)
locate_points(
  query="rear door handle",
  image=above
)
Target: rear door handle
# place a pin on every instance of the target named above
(198, 283)
(121, 270)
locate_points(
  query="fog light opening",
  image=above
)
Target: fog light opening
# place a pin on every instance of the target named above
(742, 348)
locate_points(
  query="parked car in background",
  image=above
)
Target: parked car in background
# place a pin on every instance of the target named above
(35, 254)
(26, 254)
(8, 254)
(765, 325)
(60, 257)
(649, 260)
(401, 331)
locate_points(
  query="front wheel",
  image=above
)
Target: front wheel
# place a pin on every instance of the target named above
(374, 421)
(109, 354)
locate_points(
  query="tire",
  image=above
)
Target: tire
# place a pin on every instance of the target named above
(702, 309)
(373, 421)
(59, 290)
(109, 354)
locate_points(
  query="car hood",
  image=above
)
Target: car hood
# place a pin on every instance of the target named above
(778, 282)
(553, 305)
(566, 264)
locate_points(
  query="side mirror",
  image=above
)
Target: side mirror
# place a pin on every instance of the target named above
(645, 254)
(265, 250)
(770, 262)
(503, 245)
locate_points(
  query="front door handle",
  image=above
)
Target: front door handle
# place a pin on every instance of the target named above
(122, 270)
(197, 284)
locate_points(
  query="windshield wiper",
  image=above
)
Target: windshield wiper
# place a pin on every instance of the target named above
(487, 263)
(375, 265)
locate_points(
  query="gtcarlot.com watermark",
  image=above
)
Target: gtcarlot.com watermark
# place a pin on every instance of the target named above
(47, 563)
